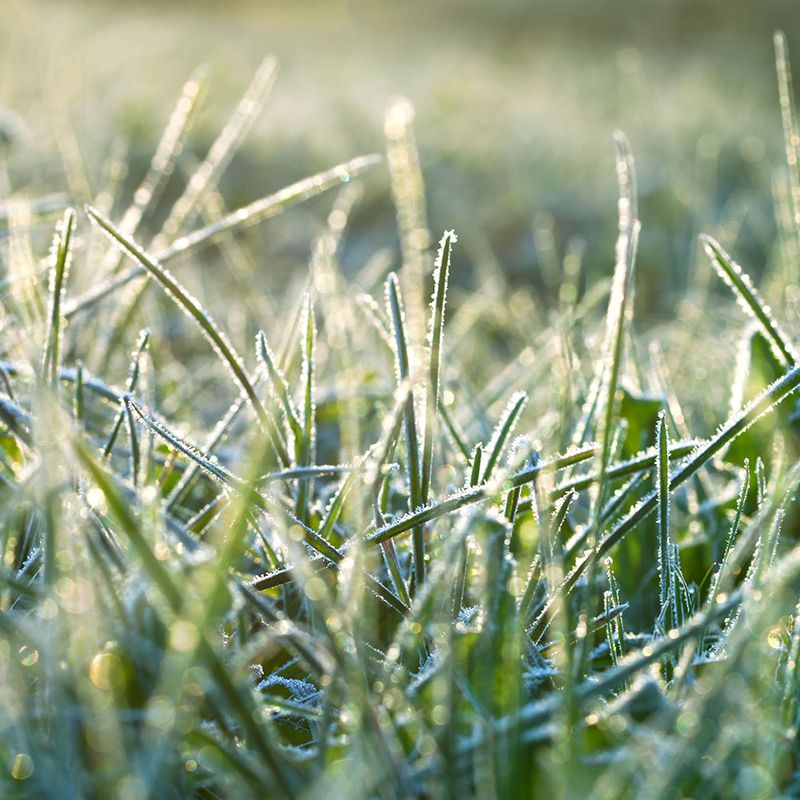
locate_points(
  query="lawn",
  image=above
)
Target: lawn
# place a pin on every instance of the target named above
(376, 426)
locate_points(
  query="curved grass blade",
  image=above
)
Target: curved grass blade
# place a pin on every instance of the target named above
(215, 336)
(503, 430)
(748, 298)
(61, 257)
(16, 420)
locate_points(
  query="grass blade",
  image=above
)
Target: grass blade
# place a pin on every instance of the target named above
(61, 255)
(130, 387)
(395, 310)
(440, 279)
(502, 432)
(748, 298)
(260, 210)
(194, 311)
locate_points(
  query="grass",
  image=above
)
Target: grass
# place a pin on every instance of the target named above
(520, 553)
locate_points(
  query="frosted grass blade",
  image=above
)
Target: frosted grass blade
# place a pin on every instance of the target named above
(395, 310)
(130, 387)
(262, 209)
(207, 174)
(180, 122)
(61, 256)
(665, 578)
(748, 297)
(440, 279)
(308, 440)
(194, 311)
(281, 389)
(502, 432)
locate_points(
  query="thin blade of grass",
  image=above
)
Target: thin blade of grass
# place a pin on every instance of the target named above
(61, 256)
(440, 279)
(207, 174)
(249, 215)
(130, 387)
(748, 298)
(502, 432)
(396, 314)
(214, 335)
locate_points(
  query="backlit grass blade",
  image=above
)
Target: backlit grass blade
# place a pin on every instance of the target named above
(617, 309)
(171, 144)
(395, 311)
(130, 388)
(440, 278)
(262, 209)
(748, 298)
(623, 469)
(735, 426)
(502, 433)
(61, 255)
(721, 574)
(665, 577)
(477, 494)
(194, 311)
(281, 389)
(791, 132)
(207, 174)
(308, 440)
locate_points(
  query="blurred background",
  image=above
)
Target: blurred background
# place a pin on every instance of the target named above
(515, 107)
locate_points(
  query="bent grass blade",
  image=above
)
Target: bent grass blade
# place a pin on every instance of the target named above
(194, 311)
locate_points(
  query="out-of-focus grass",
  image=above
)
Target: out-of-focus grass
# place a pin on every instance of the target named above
(515, 105)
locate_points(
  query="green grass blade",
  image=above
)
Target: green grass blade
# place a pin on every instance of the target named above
(395, 310)
(308, 440)
(262, 209)
(748, 298)
(791, 132)
(61, 256)
(665, 579)
(281, 389)
(440, 279)
(502, 432)
(195, 312)
(78, 395)
(130, 387)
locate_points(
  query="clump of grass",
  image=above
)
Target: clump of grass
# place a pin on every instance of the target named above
(359, 583)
